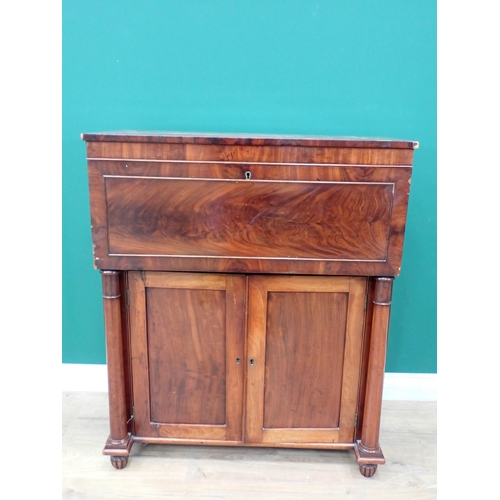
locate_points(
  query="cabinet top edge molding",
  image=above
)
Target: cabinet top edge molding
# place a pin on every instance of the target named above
(244, 139)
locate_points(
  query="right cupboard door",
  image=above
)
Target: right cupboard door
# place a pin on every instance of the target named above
(304, 356)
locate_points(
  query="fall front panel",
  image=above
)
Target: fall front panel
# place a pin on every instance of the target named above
(238, 219)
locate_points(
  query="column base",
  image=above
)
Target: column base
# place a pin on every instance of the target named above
(368, 458)
(118, 450)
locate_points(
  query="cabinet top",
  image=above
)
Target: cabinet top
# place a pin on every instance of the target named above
(248, 139)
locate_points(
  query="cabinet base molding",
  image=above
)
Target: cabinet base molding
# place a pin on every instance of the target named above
(367, 459)
(367, 456)
(238, 444)
(120, 448)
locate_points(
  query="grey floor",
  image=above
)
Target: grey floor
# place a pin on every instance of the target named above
(408, 439)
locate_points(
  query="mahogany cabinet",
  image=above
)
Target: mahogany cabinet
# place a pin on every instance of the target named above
(247, 286)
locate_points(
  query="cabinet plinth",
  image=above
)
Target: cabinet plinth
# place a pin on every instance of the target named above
(247, 285)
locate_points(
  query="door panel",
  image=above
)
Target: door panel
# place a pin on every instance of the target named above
(186, 357)
(186, 334)
(303, 373)
(304, 344)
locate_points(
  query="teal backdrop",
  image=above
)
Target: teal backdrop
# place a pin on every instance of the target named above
(365, 68)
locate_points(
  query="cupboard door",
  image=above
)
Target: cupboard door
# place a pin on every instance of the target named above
(304, 355)
(187, 344)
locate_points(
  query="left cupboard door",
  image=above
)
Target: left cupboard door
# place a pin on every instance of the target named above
(187, 347)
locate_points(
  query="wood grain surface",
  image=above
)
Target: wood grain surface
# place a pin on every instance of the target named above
(247, 139)
(272, 154)
(220, 323)
(304, 358)
(130, 200)
(187, 332)
(187, 358)
(248, 219)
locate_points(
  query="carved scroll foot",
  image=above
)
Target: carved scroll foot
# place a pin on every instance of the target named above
(368, 470)
(118, 462)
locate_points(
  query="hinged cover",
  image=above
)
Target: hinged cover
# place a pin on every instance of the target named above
(266, 204)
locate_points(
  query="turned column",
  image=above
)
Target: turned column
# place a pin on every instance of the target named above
(367, 449)
(119, 442)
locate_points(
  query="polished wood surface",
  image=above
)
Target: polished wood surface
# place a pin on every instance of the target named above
(186, 350)
(303, 373)
(119, 442)
(254, 302)
(247, 139)
(356, 225)
(302, 387)
(248, 220)
(188, 335)
(261, 154)
(367, 449)
(367, 331)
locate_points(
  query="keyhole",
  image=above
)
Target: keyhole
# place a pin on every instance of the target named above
(248, 174)
(251, 362)
(237, 361)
